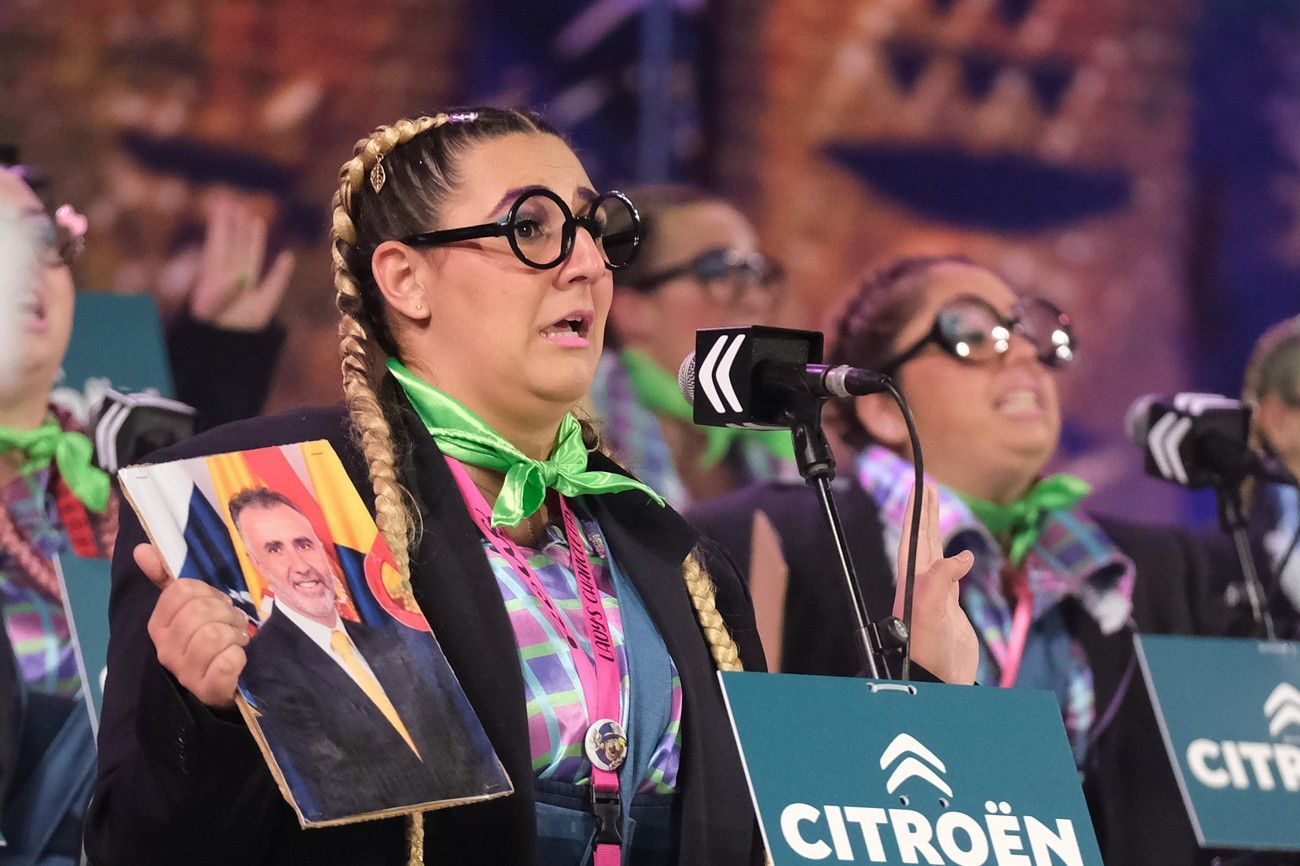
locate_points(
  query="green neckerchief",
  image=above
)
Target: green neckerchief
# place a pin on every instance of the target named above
(1019, 523)
(71, 452)
(465, 436)
(657, 390)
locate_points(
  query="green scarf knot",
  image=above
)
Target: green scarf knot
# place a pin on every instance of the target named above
(1018, 524)
(657, 390)
(70, 451)
(463, 435)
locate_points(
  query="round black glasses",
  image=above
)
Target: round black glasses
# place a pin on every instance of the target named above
(724, 273)
(972, 330)
(541, 229)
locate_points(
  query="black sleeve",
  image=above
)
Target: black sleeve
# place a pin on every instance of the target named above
(225, 375)
(176, 784)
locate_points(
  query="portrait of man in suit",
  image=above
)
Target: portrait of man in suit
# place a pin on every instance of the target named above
(357, 716)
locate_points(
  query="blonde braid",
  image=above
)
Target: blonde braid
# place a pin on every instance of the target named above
(726, 655)
(362, 363)
(362, 358)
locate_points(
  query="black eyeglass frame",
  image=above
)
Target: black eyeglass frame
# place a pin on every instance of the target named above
(1013, 325)
(505, 227)
(770, 269)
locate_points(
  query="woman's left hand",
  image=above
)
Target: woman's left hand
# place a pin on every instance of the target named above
(943, 641)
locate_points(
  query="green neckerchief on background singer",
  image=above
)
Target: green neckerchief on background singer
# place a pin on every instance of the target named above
(465, 436)
(71, 452)
(1018, 524)
(657, 390)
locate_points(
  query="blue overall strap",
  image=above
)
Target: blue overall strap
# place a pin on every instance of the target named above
(650, 700)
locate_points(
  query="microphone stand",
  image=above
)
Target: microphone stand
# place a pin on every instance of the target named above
(873, 641)
(1232, 519)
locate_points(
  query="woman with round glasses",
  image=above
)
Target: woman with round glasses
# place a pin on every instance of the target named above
(698, 267)
(1055, 593)
(473, 264)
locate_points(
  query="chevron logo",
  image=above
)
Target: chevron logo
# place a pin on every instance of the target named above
(1282, 709)
(914, 760)
(1164, 441)
(714, 374)
(1199, 404)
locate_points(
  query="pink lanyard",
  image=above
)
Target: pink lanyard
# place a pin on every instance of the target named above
(1009, 659)
(605, 742)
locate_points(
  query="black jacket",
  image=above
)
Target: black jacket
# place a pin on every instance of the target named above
(177, 784)
(1134, 800)
(317, 719)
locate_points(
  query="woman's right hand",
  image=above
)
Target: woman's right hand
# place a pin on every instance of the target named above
(197, 632)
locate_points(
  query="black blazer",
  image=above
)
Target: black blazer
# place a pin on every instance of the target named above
(178, 784)
(318, 719)
(1134, 800)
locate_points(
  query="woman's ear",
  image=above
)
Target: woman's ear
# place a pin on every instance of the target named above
(883, 420)
(397, 269)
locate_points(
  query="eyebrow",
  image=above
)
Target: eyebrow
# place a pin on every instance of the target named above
(587, 194)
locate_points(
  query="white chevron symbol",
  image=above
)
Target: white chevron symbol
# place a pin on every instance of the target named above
(705, 377)
(724, 374)
(1197, 404)
(1165, 438)
(1282, 708)
(911, 766)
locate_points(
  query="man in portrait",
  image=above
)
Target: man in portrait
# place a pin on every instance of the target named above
(354, 722)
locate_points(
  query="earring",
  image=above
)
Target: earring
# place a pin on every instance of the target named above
(419, 306)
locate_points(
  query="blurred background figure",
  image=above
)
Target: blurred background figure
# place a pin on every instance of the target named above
(1272, 386)
(56, 500)
(699, 267)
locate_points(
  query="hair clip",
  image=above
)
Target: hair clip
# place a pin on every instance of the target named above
(378, 177)
(462, 117)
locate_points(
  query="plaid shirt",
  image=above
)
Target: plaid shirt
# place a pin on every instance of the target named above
(37, 627)
(1072, 558)
(557, 713)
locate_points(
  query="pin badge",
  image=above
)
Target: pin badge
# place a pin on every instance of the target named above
(606, 744)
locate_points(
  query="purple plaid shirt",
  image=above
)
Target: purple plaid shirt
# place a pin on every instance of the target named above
(37, 627)
(557, 712)
(1072, 557)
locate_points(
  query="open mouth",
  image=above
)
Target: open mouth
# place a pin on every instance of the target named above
(1022, 401)
(310, 586)
(572, 329)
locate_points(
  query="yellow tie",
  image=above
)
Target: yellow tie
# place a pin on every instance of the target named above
(340, 644)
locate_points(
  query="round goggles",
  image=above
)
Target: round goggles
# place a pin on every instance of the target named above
(541, 229)
(972, 330)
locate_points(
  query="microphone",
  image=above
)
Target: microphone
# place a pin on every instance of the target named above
(1199, 440)
(752, 377)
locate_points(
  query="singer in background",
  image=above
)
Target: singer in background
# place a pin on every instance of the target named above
(1272, 387)
(698, 267)
(1055, 593)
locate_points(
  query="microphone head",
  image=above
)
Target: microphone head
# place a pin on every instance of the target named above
(686, 378)
(1137, 420)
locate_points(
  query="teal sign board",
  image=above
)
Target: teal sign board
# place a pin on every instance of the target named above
(118, 338)
(86, 585)
(1229, 711)
(860, 771)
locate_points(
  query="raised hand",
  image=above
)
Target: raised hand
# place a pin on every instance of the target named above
(197, 632)
(943, 641)
(231, 291)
